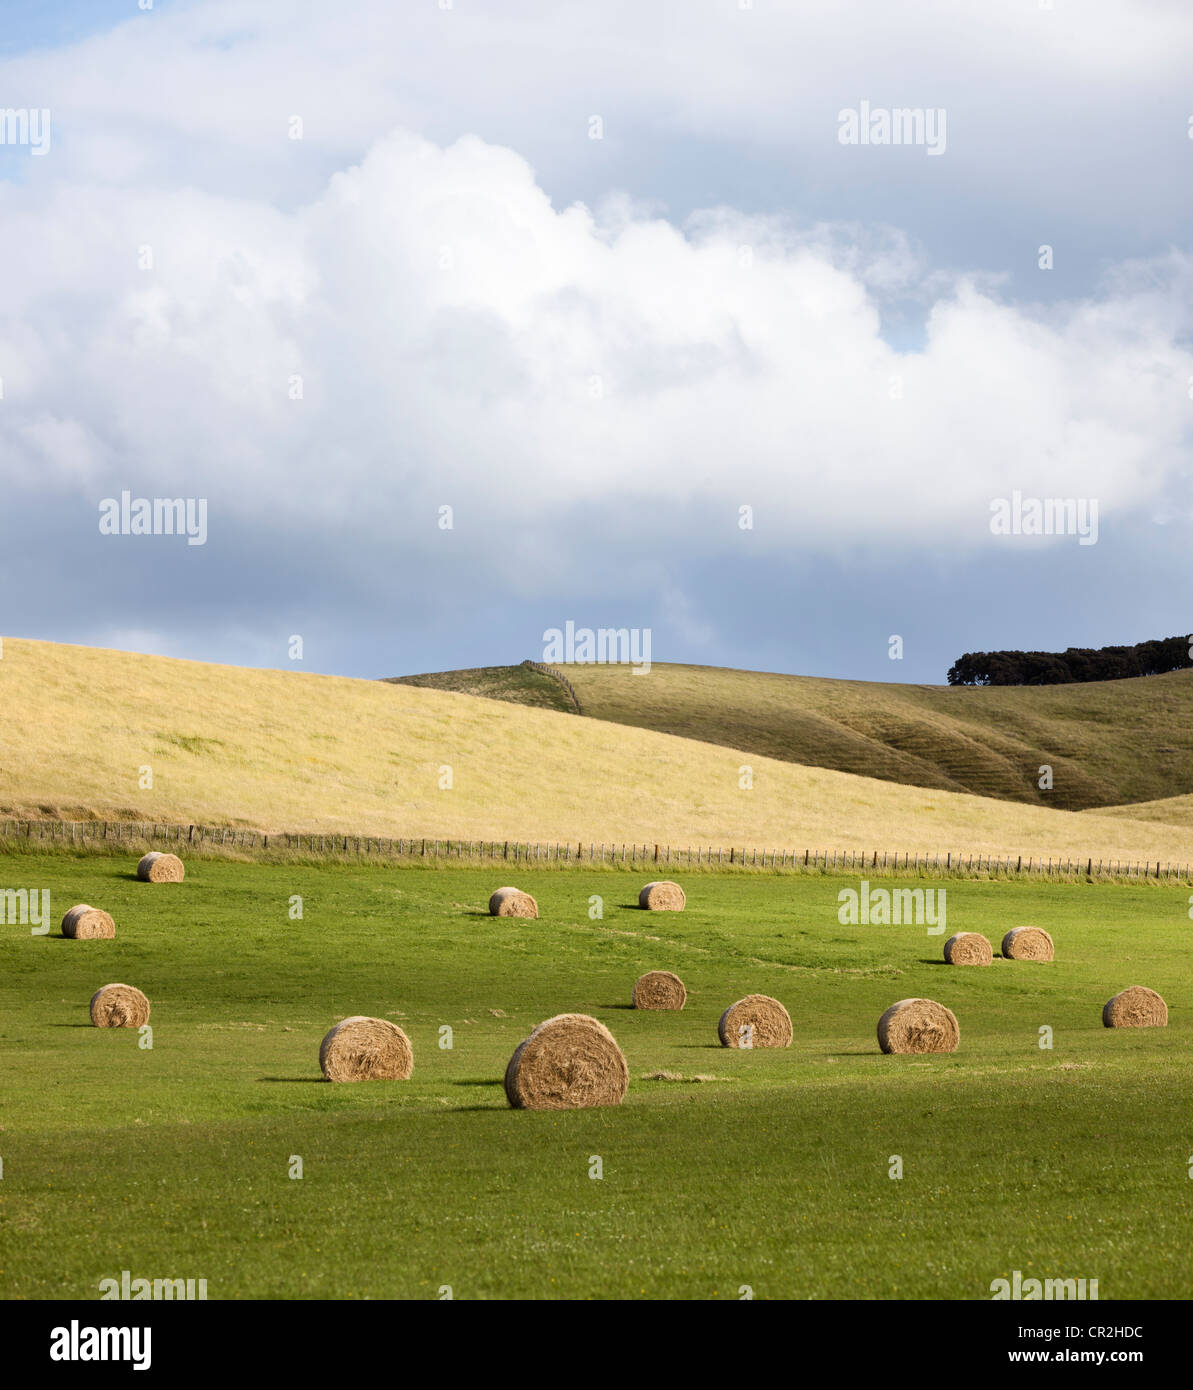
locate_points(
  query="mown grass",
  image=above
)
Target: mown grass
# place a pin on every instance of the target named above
(772, 1172)
(1107, 742)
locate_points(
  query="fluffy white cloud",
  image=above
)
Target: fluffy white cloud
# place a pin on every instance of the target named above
(460, 340)
(595, 388)
(1043, 103)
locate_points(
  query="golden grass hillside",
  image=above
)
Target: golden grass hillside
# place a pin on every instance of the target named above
(1108, 742)
(282, 750)
(1172, 810)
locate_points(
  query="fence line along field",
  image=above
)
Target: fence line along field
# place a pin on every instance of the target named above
(111, 836)
(220, 1150)
(118, 736)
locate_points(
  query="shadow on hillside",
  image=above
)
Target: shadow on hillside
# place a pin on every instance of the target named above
(476, 1083)
(72, 1025)
(298, 1080)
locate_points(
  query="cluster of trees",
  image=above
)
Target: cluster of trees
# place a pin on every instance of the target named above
(1074, 664)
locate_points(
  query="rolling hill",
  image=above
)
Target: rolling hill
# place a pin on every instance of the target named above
(1172, 810)
(517, 685)
(284, 750)
(1107, 742)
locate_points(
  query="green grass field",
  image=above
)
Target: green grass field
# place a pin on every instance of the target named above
(771, 1172)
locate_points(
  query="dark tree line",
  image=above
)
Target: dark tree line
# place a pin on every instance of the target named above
(1074, 664)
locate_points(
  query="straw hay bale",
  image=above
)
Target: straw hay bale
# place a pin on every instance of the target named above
(918, 1025)
(755, 1021)
(512, 902)
(119, 1006)
(568, 1062)
(366, 1049)
(662, 896)
(84, 923)
(659, 989)
(968, 948)
(1027, 943)
(160, 868)
(1135, 1007)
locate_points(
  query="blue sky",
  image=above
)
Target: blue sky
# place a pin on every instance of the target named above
(52, 23)
(596, 351)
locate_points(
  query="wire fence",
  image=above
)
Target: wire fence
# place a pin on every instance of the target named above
(561, 678)
(95, 833)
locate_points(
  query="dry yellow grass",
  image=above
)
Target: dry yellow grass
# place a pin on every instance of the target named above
(284, 750)
(1169, 810)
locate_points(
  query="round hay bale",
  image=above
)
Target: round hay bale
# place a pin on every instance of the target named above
(1027, 943)
(755, 1021)
(662, 896)
(568, 1062)
(659, 989)
(119, 1006)
(968, 948)
(160, 868)
(512, 902)
(918, 1025)
(1135, 1007)
(84, 923)
(366, 1049)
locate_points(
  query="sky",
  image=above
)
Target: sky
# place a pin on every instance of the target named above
(457, 322)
